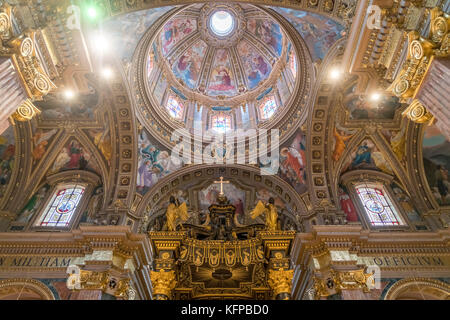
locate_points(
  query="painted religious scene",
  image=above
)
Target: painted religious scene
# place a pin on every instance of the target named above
(125, 30)
(255, 66)
(74, 156)
(42, 138)
(293, 162)
(268, 32)
(222, 76)
(175, 31)
(361, 108)
(318, 32)
(187, 67)
(436, 163)
(153, 163)
(81, 107)
(235, 195)
(367, 156)
(347, 205)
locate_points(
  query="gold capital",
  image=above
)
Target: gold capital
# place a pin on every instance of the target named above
(281, 281)
(163, 282)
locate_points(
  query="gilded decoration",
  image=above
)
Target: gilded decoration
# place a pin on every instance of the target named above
(281, 281)
(220, 257)
(153, 228)
(163, 282)
(21, 49)
(420, 54)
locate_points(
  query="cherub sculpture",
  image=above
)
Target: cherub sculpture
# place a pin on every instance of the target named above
(270, 212)
(176, 213)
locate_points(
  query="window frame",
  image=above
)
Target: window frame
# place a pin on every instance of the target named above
(179, 101)
(379, 180)
(51, 198)
(389, 200)
(219, 113)
(87, 179)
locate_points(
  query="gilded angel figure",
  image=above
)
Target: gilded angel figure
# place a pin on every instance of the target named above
(175, 214)
(270, 211)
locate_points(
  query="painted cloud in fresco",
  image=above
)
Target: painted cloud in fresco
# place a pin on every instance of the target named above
(319, 32)
(268, 32)
(221, 80)
(255, 66)
(125, 31)
(187, 67)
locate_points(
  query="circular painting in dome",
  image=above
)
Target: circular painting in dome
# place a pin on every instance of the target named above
(223, 67)
(221, 51)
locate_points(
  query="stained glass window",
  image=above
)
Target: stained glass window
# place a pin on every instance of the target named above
(377, 205)
(268, 107)
(293, 63)
(60, 209)
(221, 122)
(175, 107)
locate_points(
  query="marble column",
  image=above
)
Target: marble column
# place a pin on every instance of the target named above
(12, 93)
(434, 93)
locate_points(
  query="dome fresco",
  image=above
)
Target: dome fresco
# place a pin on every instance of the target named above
(256, 50)
(229, 58)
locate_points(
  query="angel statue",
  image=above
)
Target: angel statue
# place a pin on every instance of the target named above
(175, 211)
(270, 211)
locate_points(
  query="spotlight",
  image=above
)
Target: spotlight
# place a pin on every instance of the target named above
(100, 42)
(69, 94)
(107, 73)
(375, 96)
(335, 73)
(92, 12)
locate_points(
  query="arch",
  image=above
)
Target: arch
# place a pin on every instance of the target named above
(50, 185)
(183, 177)
(24, 289)
(161, 126)
(340, 11)
(418, 289)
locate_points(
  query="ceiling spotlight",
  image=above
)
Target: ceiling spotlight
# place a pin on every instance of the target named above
(375, 96)
(92, 12)
(100, 42)
(69, 94)
(107, 73)
(335, 73)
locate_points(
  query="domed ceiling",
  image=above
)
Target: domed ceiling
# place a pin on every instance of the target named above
(234, 60)
(221, 50)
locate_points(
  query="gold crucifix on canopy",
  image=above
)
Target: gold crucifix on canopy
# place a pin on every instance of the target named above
(221, 184)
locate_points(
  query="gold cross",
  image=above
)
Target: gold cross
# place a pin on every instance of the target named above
(221, 184)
